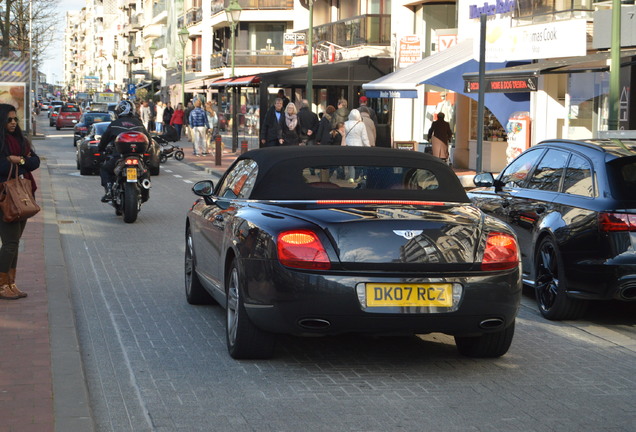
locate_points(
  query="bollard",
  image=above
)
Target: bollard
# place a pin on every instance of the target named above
(218, 150)
(243, 146)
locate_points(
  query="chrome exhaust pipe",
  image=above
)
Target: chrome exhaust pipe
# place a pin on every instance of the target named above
(145, 183)
(628, 293)
(314, 323)
(491, 323)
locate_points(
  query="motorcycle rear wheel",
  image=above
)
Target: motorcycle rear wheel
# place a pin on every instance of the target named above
(131, 202)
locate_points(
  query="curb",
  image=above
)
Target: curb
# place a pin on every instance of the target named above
(71, 403)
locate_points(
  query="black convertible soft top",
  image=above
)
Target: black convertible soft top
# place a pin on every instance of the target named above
(280, 173)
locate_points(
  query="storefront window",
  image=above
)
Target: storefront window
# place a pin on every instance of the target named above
(587, 111)
(437, 17)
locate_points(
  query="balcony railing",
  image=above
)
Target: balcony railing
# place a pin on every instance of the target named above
(194, 16)
(252, 58)
(220, 5)
(193, 63)
(361, 30)
(158, 7)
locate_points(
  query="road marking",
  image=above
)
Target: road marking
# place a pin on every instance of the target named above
(188, 181)
(177, 176)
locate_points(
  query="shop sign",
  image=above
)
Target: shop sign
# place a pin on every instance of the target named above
(410, 94)
(537, 41)
(410, 50)
(294, 43)
(503, 85)
(13, 71)
(500, 7)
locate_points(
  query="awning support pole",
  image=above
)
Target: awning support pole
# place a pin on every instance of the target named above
(615, 67)
(482, 90)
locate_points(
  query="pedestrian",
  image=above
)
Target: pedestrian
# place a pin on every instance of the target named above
(323, 135)
(167, 113)
(440, 135)
(355, 136)
(145, 115)
(308, 121)
(159, 117)
(177, 119)
(198, 123)
(341, 114)
(213, 121)
(368, 123)
(337, 134)
(186, 119)
(16, 151)
(364, 103)
(284, 98)
(272, 125)
(153, 115)
(291, 126)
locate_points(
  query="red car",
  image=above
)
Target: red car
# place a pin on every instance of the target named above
(68, 116)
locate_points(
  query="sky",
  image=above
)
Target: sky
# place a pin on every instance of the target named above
(53, 66)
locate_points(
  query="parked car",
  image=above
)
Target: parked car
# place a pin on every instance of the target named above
(52, 105)
(573, 207)
(68, 116)
(53, 113)
(88, 157)
(86, 120)
(87, 154)
(288, 246)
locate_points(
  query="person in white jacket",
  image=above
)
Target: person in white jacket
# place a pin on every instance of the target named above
(355, 136)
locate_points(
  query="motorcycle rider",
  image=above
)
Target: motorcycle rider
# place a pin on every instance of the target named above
(126, 122)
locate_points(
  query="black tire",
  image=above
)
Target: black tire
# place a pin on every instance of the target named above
(244, 339)
(551, 285)
(77, 163)
(488, 345)
(85, 171)
(179, 155)
(131, 202)
(163, 159)
(195, 293)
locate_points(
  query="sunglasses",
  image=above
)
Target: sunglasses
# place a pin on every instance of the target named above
(15, 119)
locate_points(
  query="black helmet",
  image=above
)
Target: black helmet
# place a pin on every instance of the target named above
(124, 108)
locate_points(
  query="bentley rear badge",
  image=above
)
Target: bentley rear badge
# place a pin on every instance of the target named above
(408, 234)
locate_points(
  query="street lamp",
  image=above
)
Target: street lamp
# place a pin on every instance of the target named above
(233, 13)
(309, 91)
(184, 35)
(152, 50)
(108, 68)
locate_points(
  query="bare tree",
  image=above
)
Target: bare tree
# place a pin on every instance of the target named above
(15, 27)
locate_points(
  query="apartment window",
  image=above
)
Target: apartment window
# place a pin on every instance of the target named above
(379, 6)
(349, 9)
(260, 34)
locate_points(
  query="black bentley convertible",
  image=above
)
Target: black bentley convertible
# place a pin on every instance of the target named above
(325, 240)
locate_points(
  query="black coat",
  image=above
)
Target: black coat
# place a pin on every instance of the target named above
(167, 115)
(308, 120)
(122, 124)
(271, 129)
(290, 136)
(323, 136)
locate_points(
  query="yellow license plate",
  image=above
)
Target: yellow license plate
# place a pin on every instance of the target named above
(131, 174)
(383, 295)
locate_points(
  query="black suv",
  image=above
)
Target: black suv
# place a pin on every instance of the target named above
(573, 207)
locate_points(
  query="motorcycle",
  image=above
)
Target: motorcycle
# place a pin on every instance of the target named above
(132, 185)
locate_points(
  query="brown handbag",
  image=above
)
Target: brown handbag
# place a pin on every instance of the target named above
(16, 199)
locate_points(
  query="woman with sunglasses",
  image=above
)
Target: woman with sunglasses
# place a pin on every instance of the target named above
(16, 150)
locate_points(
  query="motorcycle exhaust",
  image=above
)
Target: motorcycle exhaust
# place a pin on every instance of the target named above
(145, 183)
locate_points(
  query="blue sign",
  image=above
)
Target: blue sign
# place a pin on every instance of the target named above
(131, 89)
(412, 94)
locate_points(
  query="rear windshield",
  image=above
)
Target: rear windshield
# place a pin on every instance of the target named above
(89, 120)
(70, 109)
(622, 178)
(370, 177)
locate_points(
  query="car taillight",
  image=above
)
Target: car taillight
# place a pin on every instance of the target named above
(608, 222)
(302, 249)
(502, 252)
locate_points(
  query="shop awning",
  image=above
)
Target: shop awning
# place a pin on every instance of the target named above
(222, 82)
(245, 81)
(403, 82)
(597, 62)
(195, 86)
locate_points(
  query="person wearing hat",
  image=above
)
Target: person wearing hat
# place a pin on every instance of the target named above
(363, 103)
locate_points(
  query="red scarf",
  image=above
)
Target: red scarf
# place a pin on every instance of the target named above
(16, 149)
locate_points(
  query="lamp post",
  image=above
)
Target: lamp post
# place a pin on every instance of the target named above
(233, 13)
(108, 68)
(131, 57)
(309, 91)
(183, 38)
(152, 50)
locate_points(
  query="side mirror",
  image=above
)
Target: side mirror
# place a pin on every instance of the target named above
(484, 180)
(203, 188)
